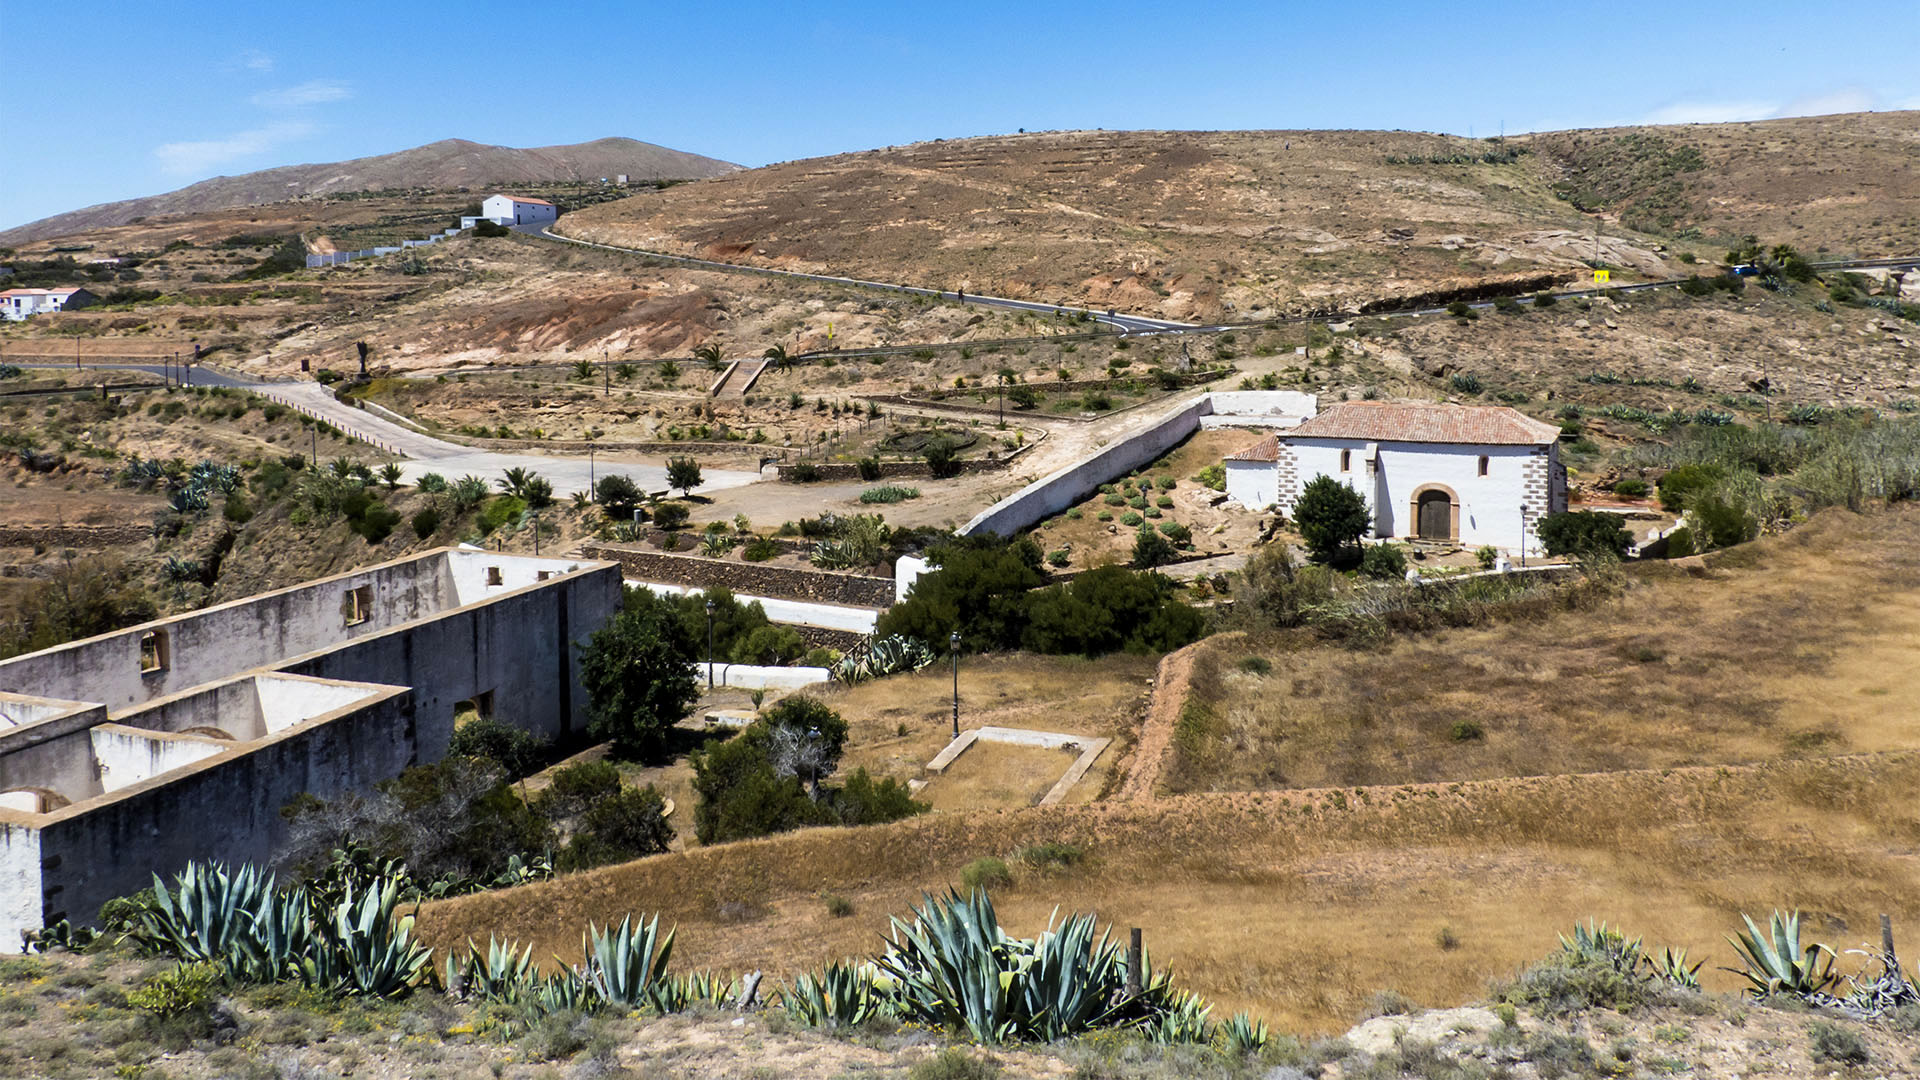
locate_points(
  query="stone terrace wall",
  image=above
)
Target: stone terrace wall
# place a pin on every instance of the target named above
(73, 535)
(787, 582)
(889, 470)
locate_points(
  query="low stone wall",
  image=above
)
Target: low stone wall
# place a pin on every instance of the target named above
(754, 578)
(79, 536)
(889, 470)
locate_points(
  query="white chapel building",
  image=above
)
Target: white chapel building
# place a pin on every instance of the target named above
(513, 210)
(1471, 475)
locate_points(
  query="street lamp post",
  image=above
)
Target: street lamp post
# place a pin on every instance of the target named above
(1523, 534)
(953, 650)
(709, 643)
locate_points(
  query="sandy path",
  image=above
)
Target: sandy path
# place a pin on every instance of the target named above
(1156, 734)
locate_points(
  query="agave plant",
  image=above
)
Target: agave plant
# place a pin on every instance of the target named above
(368, 951)
(839, 995)
(282, 940)
(874, 658)
(627, 965)
(1776, 963)
(1671, 966)
(677, 993)
(565, 990)
(953, 967)
(208, 914)
(189, 500)
(503, 974)
(1244, 1035)
(1604, 945)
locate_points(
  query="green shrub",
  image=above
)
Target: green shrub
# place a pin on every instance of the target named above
(1680, 543)
(500, 511)
(1256, 665)
(1213, 477)
(183, 989)
(1051, 854)
(518, 753)
(803, 473)
(760, 549)
(1176, 532)
(986, 872)
(376, 523)
(1058, 557)
(838, 907)
(1486, 555)
(1569, 983)
(1632, 487)
(1151, 549)
(1545, 300)
(237, 510)
(671, 515)
(1679, 482)
(426, 522)
(1695, 285)
(1131, 519)
(889, 493)
(1331, 517)
(1466, 731)
(1138, 502)
(1837, 1044)
(1584, 532)
(1465, 383)
(1384, 561)
(942, 459)
(1164, 502)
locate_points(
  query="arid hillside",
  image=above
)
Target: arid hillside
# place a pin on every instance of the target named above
(1213, 224)
(449, 163)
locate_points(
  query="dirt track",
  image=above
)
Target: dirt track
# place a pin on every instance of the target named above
(1156, 733)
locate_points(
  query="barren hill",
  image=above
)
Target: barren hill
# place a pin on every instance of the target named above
(1208, 224)
(449, 163)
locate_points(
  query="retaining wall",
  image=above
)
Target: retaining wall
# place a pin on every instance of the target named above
(787, 582)
(79, 536)
(1060, 489)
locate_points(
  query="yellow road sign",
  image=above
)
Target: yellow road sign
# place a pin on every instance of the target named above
(1601, 277)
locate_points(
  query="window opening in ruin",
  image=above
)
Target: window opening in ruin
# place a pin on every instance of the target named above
(153, 651)
(1483, 464)
(493, 575)
(359, 607)
(543, 575)
(1346, 461)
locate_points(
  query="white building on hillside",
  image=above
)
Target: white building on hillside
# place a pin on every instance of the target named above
(18, 304)
(512, 210)
(1451, 473)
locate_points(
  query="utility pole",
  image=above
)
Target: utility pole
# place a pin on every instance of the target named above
(953, 650)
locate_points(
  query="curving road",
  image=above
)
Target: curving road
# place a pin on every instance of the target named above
(420, 453)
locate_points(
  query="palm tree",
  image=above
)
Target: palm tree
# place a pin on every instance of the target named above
(515, 481)
(778, 355)
(1005, 375)
(390, 475)
(708, 354)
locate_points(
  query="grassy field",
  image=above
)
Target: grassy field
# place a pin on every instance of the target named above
(1302, 904)
(1802, 643)
(998, 775)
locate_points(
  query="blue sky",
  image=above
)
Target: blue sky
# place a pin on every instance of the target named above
(145, 97)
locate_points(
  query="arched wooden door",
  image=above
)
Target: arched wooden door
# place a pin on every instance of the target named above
(1436, 516)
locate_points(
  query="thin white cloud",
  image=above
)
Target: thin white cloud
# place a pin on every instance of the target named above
(314, 92)
(1711, 112)
(255, 60)
(207, 155)
(1843, 100)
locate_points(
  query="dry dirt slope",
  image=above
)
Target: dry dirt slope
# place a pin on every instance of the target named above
(1188, 223)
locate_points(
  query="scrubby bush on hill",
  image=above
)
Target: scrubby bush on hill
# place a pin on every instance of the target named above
(1109, 609)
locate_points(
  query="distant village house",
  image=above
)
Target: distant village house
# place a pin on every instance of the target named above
(18, 304)
(512, 210)
(1457, 474)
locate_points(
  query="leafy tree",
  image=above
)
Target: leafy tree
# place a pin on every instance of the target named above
(979, 589)
(638, 672)
(627, 824)
(1584, 532)
(1682, 481)
(1109, 609)
(767, 779)
(1331, 517)
(618, 494)
(683, 473)
(768, 644)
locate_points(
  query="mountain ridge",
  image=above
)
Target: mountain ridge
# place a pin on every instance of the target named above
(445, 163)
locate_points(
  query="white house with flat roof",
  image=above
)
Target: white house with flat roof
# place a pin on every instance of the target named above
(18, 304)
(512, 210)
(1469, 475)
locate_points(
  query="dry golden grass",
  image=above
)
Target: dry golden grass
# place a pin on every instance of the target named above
(1040, 693)
(992, 776)
(1301, 904)
(1807, 642)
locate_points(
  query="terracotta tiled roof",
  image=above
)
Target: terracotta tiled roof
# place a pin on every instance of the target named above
(1267, 449)
(1380, 421)
(536, 202)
